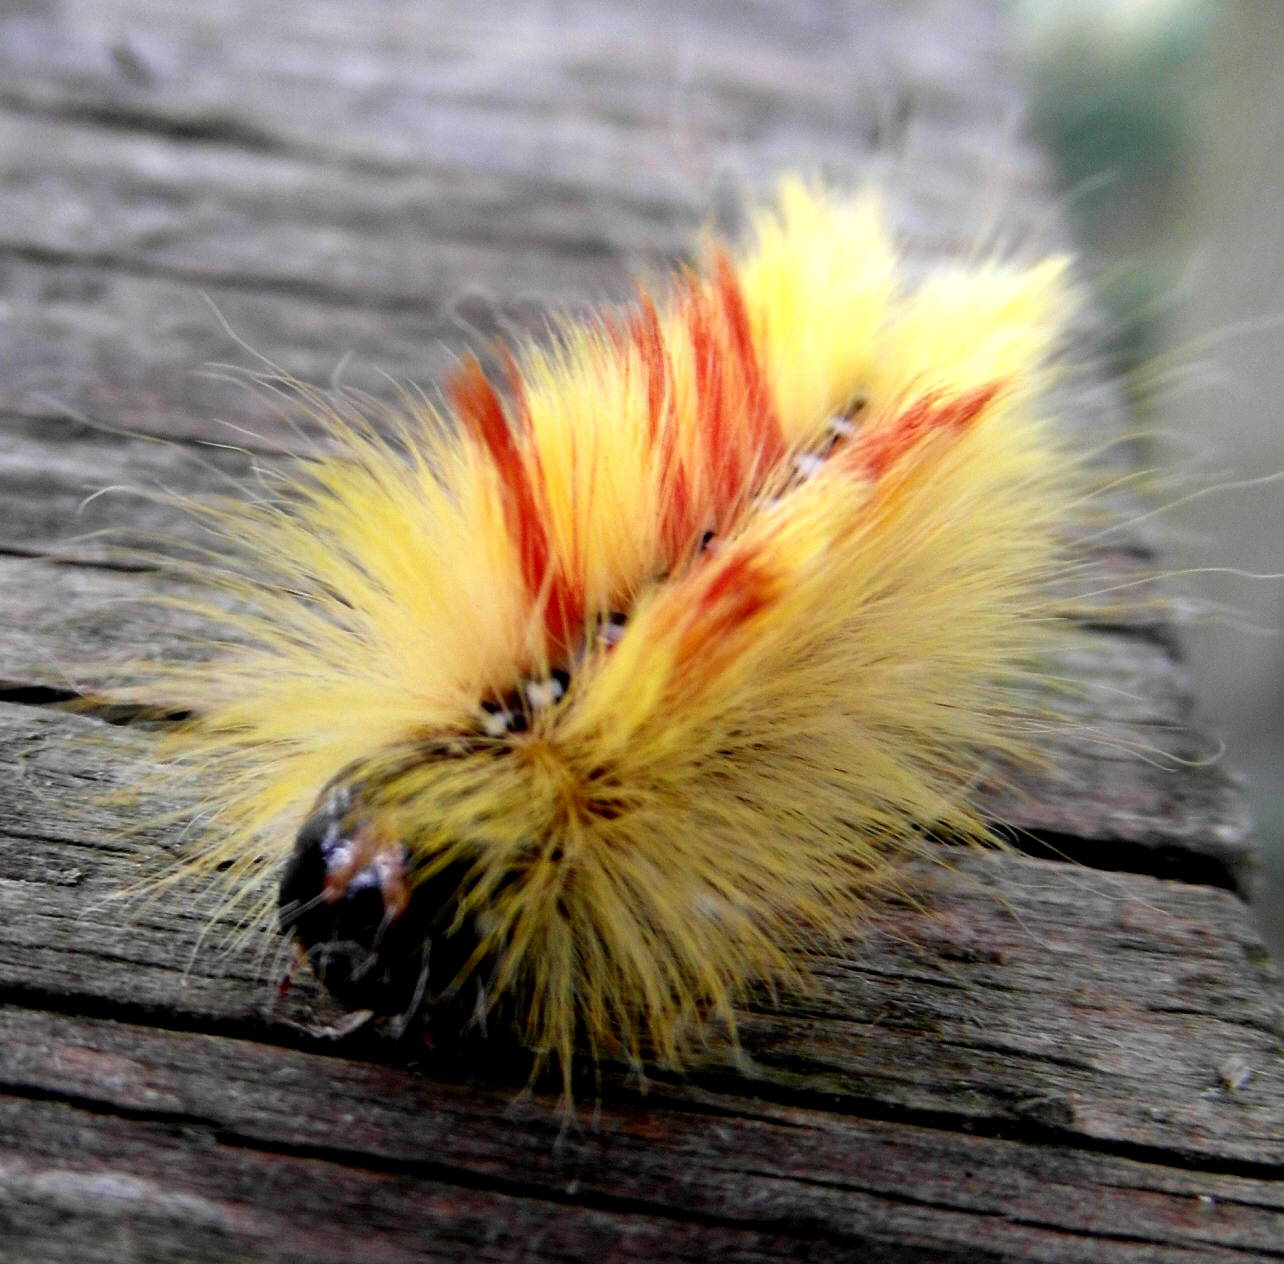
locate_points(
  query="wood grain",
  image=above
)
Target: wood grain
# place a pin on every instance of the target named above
(1127, 784)
(249, 1142)
(1013, 1058)
(388, 187)
(1113, 1036)
(995, 994)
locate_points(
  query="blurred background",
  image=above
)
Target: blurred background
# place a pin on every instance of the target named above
(1165, 118)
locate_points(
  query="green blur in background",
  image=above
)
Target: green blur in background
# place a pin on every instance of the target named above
(1167, 120)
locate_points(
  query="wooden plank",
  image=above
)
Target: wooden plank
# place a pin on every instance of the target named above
(235, 1142)
(147, 354)
(114, 340)
(1128, 784)
(1013, 1059)
(85, 1187)
(214, 215)
(1001, 998)
(316, 239)
(77, 492)
(553, 89)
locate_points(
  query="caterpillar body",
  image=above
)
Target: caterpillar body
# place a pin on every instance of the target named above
(595, 694)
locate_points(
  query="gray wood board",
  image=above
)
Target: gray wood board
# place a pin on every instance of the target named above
(1012, 1058)
(1117, 1037)
(1129, 782)
(208, 1146)
(998, 987)
(391, 188)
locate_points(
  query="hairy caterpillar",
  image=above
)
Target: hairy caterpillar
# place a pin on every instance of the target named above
(594, 696)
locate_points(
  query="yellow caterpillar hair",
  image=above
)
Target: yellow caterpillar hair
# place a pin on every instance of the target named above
(595, 695)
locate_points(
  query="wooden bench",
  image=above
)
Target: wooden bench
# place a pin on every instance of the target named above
(1067, 1052)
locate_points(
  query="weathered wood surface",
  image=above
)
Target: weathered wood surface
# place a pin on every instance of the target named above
(1022, 1059)
(386, 179)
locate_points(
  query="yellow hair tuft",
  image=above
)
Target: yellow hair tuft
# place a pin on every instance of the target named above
(617, 680)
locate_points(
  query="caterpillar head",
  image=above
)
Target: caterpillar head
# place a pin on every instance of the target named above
(380, 925)
(376, 934)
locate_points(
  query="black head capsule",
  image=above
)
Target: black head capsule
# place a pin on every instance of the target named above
(373, 931)
(377, 929)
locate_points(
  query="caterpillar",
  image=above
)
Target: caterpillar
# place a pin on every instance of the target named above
(593, 695)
